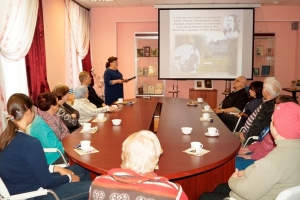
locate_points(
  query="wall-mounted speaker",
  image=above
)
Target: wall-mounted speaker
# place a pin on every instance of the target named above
(295, 25)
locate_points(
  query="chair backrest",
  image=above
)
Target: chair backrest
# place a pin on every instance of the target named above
(261, 136)
(264, 132)
(3, 190)
(54, 150)
(290, 194)
(4, 193)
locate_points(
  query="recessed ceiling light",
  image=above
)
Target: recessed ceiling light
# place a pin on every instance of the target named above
(275, 2)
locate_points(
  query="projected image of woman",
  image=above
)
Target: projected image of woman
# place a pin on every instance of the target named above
(231, 26)
(187, 58)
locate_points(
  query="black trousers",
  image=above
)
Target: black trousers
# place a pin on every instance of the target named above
(219, 193)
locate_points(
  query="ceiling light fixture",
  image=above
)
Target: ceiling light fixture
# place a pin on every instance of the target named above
(275, 2)
(102, 0)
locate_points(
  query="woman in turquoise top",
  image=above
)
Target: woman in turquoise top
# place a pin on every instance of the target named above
(47, 107)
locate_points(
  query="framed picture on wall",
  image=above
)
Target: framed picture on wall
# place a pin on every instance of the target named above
(256, 71)
(203, 84)
(198, 84)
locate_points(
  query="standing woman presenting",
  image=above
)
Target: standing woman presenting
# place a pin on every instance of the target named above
(113, 80)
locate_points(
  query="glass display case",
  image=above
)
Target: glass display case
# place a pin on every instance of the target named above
(146, 66)
(264, 47)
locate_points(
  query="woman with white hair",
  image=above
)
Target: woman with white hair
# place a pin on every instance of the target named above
(136, 179)
(86, 109)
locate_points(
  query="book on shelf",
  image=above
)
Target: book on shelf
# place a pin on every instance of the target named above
(145, 88)
(140, 72)
(151, 70)
(270, 51)
(158, 88)
(265, 70)
(150, 89)
(154, 52)
(145, 71)
(259, 50)
(147, 51)
(140, 52)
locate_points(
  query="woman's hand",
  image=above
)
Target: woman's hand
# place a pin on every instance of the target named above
(73, 116)
(237, 173)
(243, 151)
(75, 178)
(248, 157)
(239, 115)
(218, 110)
(113, 109)
(62, 171)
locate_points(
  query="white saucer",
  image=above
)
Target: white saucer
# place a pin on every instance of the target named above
(209, 135)
(87, 130)
(207, 119)
(200, 101)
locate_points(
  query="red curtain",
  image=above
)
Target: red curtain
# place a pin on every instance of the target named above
(87, 64)
(36, 60)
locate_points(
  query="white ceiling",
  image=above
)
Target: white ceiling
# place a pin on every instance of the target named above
(140, 3)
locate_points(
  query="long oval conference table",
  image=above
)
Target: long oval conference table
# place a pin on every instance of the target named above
(194, 174)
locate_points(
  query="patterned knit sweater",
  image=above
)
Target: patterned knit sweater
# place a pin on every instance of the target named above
(126, 184)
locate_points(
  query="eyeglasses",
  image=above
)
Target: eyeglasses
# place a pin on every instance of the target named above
(237, 80)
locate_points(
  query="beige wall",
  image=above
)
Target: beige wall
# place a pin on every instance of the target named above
(109, 27)
(54, 26)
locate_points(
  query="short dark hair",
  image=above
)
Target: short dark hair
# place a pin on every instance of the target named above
(284, 99)
(257, 87)
(45, 100)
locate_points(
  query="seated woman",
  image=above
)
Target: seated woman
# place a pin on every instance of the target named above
(48, 127)
(255, 151)
(86, 109)
(255, 90)
(277, 171)
(23, 165)
(136, 179)
(66, 112)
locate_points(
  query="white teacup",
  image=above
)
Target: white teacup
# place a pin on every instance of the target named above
(120, 100)
(206, 115)
(87, 126)
(100, 116)
(213, 131)
(197, 146)
(85, 145)
(199, 99)
(206, 107)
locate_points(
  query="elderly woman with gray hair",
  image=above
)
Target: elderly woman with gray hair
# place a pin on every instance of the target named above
(136, 179)
(86, 109)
